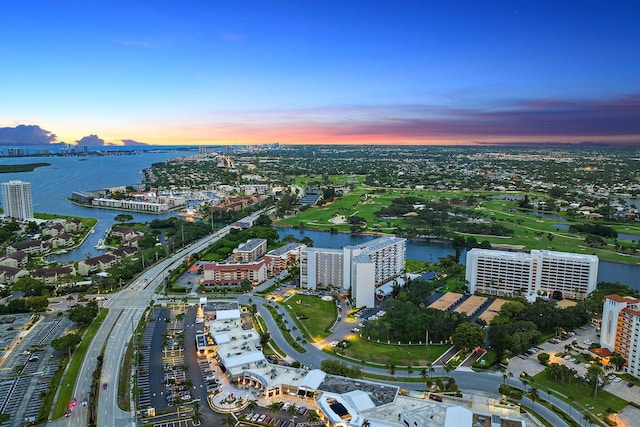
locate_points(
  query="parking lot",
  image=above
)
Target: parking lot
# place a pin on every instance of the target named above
(35, 361)
(583, 337)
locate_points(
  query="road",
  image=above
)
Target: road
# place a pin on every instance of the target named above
(125, 311)
(127, 307)
(486, 382)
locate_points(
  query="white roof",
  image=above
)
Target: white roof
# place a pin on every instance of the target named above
(203, 300)
(313, 379)
(243, 359)
(221, 338)
(458, 416)
(228, 314)
(359, 400)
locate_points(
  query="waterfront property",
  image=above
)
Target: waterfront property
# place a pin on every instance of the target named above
(359, 269)
(16, 196)
(540, 273)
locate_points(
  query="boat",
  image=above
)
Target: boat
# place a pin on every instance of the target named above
(100, 245)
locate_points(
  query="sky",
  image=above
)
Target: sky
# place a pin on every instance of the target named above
(319, 72)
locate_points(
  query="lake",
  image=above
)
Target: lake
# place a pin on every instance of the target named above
(52, 185)
(428, 251)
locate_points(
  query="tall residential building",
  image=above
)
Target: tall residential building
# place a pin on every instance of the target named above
(16, 196)
(621, 329)
(359, 268)
(540, 273)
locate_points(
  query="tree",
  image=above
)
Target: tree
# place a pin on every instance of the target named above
(410, 371)
(534, 396)
(67, 342)
(512, 309)
(123, 218)
(543, 358)
(37, 304)
(83, 314)
(596, 377)
(230, 421)
(617, 360)
(468, 336)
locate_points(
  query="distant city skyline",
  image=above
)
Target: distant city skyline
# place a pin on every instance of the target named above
(375, 72)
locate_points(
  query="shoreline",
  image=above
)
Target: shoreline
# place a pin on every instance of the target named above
(443, 240)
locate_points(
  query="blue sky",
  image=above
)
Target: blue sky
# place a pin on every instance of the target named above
(413, 72)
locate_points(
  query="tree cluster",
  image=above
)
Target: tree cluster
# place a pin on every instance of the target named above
(408, 319)
(335, 367)
(84, 314)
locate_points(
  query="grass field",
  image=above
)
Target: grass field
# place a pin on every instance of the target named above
(398, 355)
(529, 231)
(582, 392)
(315, 314)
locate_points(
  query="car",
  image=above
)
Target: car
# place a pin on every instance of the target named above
(630, 384)
(261, 418)
(74, 402)
(617, 379)
(104, 386)
(85, 402)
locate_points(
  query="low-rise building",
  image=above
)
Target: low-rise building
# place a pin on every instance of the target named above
(96, 264)
(30, 247)
(250, 251)
(50, 275)
(16, 260)
(235, 273)
(282, 258)
(9, 275)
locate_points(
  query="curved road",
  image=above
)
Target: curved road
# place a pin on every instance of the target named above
(127, 307)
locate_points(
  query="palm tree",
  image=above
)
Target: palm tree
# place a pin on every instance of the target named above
(430, 369)
(617, 360)
(313, 417)
(423, 375)
(571, 399)
(533, 395)
(410, 371)
(292, 409)
(230, 421)
(252, 404)
(391, 368)
(366, 423)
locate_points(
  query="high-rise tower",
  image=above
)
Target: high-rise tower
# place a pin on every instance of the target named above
(16, 196)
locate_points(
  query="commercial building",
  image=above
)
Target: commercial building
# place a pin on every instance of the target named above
(540, 273)
(339, 401)
(621, 329)
(359, 268)
(16, 196)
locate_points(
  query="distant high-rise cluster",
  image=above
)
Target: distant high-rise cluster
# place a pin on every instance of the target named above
(16, 196)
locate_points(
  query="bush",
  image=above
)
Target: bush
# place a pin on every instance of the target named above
(543, 358)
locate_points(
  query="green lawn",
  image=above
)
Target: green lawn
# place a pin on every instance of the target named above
(415, 266)
(69, 380)
(529, 231)
(398, 355)
(582, 392)
(315, 314)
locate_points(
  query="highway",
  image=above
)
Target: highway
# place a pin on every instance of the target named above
(125, 311)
